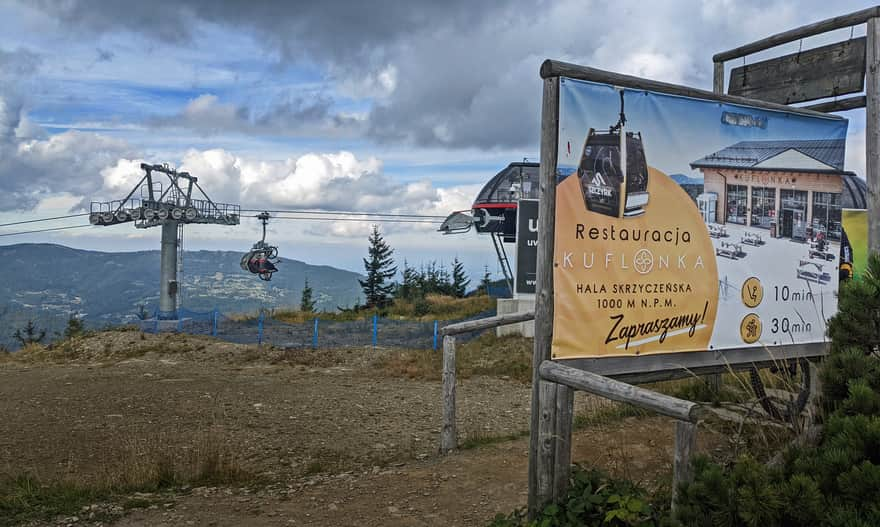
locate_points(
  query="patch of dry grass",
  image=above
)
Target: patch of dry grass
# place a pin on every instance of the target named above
(433, 307)
(159, 462)
(508, 356)
(147, 465)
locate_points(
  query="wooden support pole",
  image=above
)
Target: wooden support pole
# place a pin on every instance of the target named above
(539, 495)
(714, 380)
(685, 446)
(448, 432)
(718, 77)
(872, 132)
(546, 454)
(564, 410)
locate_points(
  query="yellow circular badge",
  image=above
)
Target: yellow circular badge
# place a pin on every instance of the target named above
(750, 328)
(752, 292)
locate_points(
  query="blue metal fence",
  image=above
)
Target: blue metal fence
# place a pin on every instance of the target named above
(372, 330)
(317, 333)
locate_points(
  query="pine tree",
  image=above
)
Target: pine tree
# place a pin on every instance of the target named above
(460, 280)
(486, 281)
(307, 303)
(380, 268)
(410, 287)
(75, 327)
(30, 335)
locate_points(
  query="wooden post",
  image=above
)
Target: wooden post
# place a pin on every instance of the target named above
(564, 409)
(541, 494)
(545, 478)
(714, 380)
(872, 132)
(685, 445)
(448, 433)
(718, 77)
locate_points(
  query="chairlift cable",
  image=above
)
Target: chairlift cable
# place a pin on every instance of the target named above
(344, 213)
(45, 230)
(374, 220)
(44, 219)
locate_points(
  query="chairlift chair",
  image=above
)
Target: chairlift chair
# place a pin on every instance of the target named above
(262, 257)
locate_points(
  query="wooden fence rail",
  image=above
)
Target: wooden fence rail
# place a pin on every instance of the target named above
(553, 465)
(448, 430)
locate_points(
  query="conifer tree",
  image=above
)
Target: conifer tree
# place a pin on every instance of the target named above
(460, 280)
(31, 334)
(380, 268)
(486, 280)
(410, 288)
(307, 303)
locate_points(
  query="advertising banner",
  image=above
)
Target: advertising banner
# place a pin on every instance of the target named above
(526, 246)
(685, 224)
(854, 246)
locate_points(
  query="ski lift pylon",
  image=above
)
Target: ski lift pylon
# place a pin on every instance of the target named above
(262, 257)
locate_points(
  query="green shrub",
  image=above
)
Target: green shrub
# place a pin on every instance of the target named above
(836, 483)
(594, 499)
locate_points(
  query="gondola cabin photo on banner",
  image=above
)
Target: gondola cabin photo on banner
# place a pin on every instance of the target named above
(690, 224)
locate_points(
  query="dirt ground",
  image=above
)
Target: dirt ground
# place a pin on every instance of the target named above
(341, 444)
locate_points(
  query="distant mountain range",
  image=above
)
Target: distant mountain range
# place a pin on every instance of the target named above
(682, 179)
(48, 283)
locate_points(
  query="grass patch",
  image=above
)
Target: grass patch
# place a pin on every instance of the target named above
(149, 466)
(509, 356)
(439, 307)
(24, 498)
(432, 307)
(480, 438)
(698, 389)
(608, 414)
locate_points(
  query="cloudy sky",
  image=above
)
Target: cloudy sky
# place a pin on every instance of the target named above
(383, 106)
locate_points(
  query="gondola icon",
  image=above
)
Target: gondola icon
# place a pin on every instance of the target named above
(613, 172)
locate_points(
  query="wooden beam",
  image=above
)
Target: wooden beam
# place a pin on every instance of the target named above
(714, 380)
(554, 68)
(816, 28)
(818, 73)
(668, 366)
(685, 446)
(718, 78)
(546, 454)
(842, 105)
(486, 323)
(448, 431)
(620, 391)
(872, 134)
(544, 280)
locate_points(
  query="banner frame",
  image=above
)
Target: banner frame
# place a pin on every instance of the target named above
(653, 366)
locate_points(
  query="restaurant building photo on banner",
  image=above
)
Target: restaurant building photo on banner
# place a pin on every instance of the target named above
(792, 189)
(688, 224)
